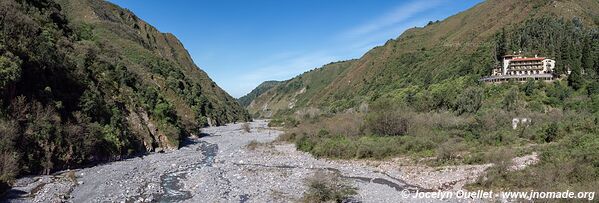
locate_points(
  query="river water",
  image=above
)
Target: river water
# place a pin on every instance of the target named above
(171, 182)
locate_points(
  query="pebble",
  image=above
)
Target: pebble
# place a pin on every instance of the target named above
(272, 169)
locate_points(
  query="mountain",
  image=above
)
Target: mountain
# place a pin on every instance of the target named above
(423, 61)
(85, 81)
(158, 56)
(263, 87)
(301, 91)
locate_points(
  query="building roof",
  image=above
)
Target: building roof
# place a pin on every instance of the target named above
(529, 59)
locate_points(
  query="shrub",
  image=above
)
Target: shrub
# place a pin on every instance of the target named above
(326, 187)
(172, 131)
(593, 89)
(287, 122)
(501, 158)
(449, 150)
(392, 122)
(252, 145)
(304, 144)
(570, 163)
(246, 127)
(349, 124)
(551, 132)
(502, 161)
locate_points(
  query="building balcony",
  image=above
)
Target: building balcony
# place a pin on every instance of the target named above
(505, 78)
(526, 64)
(525, 68)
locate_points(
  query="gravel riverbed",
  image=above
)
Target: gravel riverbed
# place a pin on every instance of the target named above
(221, 168)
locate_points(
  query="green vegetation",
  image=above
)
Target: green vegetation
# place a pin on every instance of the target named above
(327, 187)
(76, 90)
(425, 101)
(572, 162)
(286, 121)
(560, 126)
(261, 89)
(299, 92)
(437, 54)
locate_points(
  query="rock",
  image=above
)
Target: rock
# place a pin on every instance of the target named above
(276, 175)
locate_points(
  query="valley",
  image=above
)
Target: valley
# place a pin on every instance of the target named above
(97, 105)
(222, 167)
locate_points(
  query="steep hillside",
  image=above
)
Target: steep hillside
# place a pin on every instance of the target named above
(299, 92)
(84, 81)
(458, 49)
(158, 56)
(263, 87)
(419, 97)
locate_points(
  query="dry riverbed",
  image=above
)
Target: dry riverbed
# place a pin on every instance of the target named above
(222, 168)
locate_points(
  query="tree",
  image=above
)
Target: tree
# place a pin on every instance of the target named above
(469, 101)
(10, 69)
(558, 92)
(588, 57)
(595, 54)
(9, 166)
(92, 104)
(575, 79)
(529, 87)
(501, 44)
(593, 89)
(165, 111)
(43, 129)
(510, 101)
(82, 139)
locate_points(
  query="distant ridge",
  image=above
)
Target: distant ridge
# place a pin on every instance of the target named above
(459, 48)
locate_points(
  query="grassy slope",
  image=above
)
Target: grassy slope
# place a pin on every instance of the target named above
(263, 87)
(301, 91)
(419, 57)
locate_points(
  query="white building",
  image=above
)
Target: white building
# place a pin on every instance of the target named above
(518, 68)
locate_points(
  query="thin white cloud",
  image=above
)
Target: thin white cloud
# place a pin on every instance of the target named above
(379, 38)
(349, 44)
(280, 67)
(396, 16)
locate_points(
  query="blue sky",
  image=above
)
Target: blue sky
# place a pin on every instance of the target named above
(242, 43)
